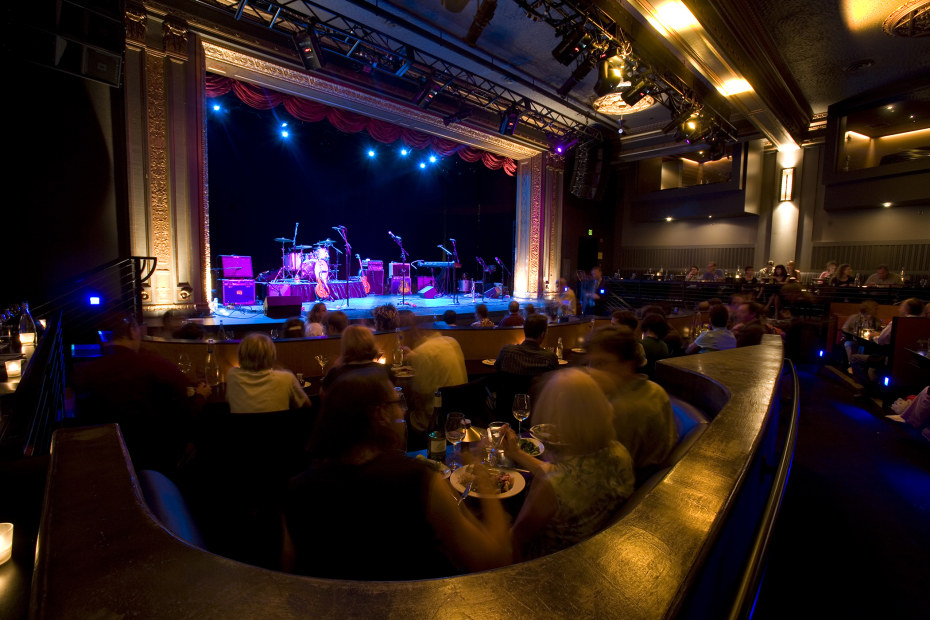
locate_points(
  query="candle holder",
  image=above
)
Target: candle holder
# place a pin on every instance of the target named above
(6, 541)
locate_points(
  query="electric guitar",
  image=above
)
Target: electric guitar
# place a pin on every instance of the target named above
(361, 274)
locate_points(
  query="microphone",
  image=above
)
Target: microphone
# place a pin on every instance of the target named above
(498, 260)
(337, 227)
(440, 247)
(451, 239)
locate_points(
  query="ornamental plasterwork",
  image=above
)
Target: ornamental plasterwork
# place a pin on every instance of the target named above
(218, 58)
(135, 22)
(537, 172)
(157, 129)
(174, 34)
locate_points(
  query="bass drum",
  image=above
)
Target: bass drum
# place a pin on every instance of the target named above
(465, 286)
(307, 269)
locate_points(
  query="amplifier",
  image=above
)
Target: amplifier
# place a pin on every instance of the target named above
(377, 265)
(399, 269)
(239, 292)
(238, 267)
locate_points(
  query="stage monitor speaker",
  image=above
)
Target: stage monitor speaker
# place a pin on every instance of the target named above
(282, 306)
(376, 280)
(427, 292)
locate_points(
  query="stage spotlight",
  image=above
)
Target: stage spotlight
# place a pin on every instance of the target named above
(422, 165)
(635, 93)
(216, 107)
(371, 152)
(692, 129)
(580, 72)
(285, 133)
(572, 45)
(308, 48)
(404, 152)
(432, 159)
(509, 120)
(610, 76)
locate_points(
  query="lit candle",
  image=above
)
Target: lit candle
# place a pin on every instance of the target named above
(14, 368)
(6, 541)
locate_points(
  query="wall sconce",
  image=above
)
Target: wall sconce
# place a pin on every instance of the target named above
(14, 368)
(6, 541)
(787, 184)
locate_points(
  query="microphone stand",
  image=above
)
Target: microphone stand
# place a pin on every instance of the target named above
(345, 238)
(403, 261)
(445, 274)
(509, 273)
(455, 283)
(484, 275)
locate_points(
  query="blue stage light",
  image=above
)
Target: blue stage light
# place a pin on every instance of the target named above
(422, 164)
(371, 153)
(820, 353)
(887, 381)
(216, 107)
(432, 159)
(285, 133)
(404, 152)
(94, 300)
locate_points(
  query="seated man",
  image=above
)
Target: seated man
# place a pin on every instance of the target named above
(883, 277)
(514, 319)
(718, 337)
(448, 320)
(437, 362)
(643, 416)
(766, 272)
(528, 358)
(711, 272)
(751, 325)
(861, 363)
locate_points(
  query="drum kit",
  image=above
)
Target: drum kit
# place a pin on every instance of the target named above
(306, 262)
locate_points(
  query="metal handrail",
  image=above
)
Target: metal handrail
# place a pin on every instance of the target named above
(745, 599)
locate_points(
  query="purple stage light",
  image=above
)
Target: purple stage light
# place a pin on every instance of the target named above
(558, 149)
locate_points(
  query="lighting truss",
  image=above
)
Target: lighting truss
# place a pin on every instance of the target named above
(376, 51)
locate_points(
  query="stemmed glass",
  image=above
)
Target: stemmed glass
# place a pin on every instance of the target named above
(455, 432)
(495, 436)
(521, 410)
(184, 364)
(322, 361)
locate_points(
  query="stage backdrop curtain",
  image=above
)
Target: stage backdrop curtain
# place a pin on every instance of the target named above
(352, 122)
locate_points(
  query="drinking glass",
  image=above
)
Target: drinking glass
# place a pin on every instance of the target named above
(521, 409)
(322, 361)
(455, 433)
(495, 436)
(184, 364)
(6, 338)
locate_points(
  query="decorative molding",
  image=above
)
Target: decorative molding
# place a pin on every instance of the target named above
(174, 35)
(157, 125)
(220, 59)
(537, 171)
(135, 21)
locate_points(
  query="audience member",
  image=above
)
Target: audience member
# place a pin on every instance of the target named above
(576, 493)
(171, 322)
(594, 293)
(256, 387)
(779, 274)
(643, 418)
(528, 310)
(883, 277)
(866, 318)
(917, 412)
(148, 396)
(843, 276)
(909, 307)
(514, 319)
(827, 273)
(385, 317)
(749, 275)
(293, 328)
(359, 467)
(189, 331)
(693, 275)
(718, 337)
(567, 298)
(655, 329)
(335, 322)
(437, 362)
(863, 364)
(712, 273)
(357, 350)
(315, 320)
(766, 272)
(528, 358)
(448, 320)
(624, 317)
(481, 317)
(794, 274)
(751, 325)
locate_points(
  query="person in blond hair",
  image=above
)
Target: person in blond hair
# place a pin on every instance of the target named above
(255, 386)
(589, 476)
(358, 350)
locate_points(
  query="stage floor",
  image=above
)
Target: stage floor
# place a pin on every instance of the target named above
(360, 308)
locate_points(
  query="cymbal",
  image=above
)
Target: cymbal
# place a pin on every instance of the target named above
(303, 247)
(283, 240)
(325, 242)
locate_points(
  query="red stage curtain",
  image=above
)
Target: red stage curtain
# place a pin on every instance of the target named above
(351, 122)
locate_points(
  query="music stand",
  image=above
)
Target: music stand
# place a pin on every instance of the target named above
(403, 261)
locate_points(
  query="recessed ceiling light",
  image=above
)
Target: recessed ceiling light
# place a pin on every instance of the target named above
(886, 204)
(668, 219)
(859, 65)
(889, 107)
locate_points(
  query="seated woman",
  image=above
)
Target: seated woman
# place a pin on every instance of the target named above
(576, 494)
(358, 350)
(779, 275)
(843, 276)
(314, 328)
(364, 510)
(255, 387)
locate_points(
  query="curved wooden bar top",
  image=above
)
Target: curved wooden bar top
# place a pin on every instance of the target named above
(102, 554)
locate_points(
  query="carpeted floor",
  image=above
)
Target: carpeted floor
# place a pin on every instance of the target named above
(853, 536)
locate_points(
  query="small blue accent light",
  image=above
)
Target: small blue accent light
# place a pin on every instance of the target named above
(216, 107)
(285, 133)
(371, 153)
(887, 381)
(284, 124)
(432, 159)
(94, 300)
(422, 165)
(820, 352)
(404, 152)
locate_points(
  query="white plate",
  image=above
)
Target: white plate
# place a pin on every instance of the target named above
(578, 350)
(518, 483)
(535, 442)
(562, 362)
(445, 472)
(488, 362)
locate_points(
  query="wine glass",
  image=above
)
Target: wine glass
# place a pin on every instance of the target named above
(495, 436)
(322, 361)
(521, 409)
(455, 432)
(184, 364)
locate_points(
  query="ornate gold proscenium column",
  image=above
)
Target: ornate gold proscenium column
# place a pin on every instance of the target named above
(166, 147)
(539, 226)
